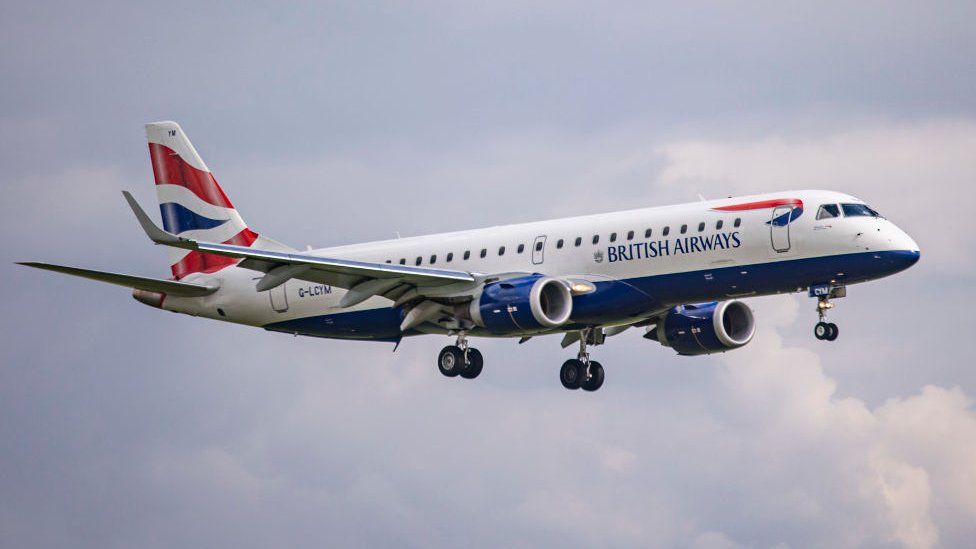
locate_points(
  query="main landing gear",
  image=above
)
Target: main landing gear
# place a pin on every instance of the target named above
(825, 330)
(460, 359)
(581, 372)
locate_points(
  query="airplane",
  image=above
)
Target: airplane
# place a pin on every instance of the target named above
(677, 272)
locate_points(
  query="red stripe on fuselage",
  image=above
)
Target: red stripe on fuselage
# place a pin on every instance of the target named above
(762, 204)
(170, 169)
(199, 262)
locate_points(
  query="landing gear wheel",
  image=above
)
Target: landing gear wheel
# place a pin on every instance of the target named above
(472, 368)
(450, 360)
(572, 374)
(821, 330)
(595, 380)
(832, 332)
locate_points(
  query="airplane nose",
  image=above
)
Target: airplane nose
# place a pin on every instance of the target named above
(903, 259)
(899, 240)
(904, 250)
(908, 243)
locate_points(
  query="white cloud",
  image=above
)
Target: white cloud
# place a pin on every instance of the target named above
(759, 451)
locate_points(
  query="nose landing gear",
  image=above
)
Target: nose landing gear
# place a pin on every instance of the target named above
(581, 372)
(826, 331)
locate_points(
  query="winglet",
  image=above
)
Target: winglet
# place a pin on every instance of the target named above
(154, 233)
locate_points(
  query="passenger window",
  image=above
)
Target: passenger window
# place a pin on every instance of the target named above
(596, 238)
(684, 229)
(613, 237)
(630, 235)
(718, 225)
(389, 261)
(666, 231)
(559, 244)
(418, 261)
(450, 256)
(467, 254)
(701, 226)
(579, 240)
(738, 221)
(433, 259)
(501, 250)
(538, 246)
(647, 233)
(828, 211)
(484, 252)
(521, 248)
(403, 261)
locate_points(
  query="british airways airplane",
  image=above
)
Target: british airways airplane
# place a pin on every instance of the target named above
(677, 272)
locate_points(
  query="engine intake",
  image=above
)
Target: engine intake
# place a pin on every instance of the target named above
(522, 305)
(706, 328)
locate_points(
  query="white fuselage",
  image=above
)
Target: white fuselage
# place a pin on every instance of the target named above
(641, 259)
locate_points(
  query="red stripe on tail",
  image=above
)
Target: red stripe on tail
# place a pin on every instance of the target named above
(199, 262)
(170, 169)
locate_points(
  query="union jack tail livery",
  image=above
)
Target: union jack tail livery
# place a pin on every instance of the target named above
(191, 202)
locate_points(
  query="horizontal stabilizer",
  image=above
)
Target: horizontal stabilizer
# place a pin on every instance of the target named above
(168, 287)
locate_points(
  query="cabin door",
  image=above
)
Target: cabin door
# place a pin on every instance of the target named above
(779, 228)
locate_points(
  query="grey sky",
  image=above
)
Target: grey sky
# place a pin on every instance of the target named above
(333, 123)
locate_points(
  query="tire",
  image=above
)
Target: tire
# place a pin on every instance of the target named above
(596, 377)
(832, 332)
(450, 360)
(572, 373)
(821, 330)
(474, 365)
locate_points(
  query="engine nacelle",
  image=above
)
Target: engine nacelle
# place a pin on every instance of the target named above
(522, 305)
(706, 328)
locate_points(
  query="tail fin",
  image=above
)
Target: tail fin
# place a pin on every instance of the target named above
(191, 201)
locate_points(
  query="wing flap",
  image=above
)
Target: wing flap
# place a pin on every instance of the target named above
(168, 287)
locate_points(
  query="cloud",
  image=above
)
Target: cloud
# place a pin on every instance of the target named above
(361, 445)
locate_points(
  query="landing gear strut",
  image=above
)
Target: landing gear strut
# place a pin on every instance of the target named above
(460, 359)
(581, 372)
(825, 330)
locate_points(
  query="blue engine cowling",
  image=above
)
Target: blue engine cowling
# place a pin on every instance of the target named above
(522, 305)
(706, 328)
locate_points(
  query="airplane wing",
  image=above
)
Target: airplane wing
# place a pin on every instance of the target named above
(363, 279)
(169, 287)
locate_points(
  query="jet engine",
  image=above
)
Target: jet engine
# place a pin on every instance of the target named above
(705, 328)
(522, 305)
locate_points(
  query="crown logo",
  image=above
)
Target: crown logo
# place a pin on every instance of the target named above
(598, 256)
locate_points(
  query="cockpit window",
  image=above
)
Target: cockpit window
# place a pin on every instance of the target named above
(858, 210)
(828, 211)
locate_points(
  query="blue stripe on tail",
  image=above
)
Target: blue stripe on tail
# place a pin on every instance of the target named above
(178, 219)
